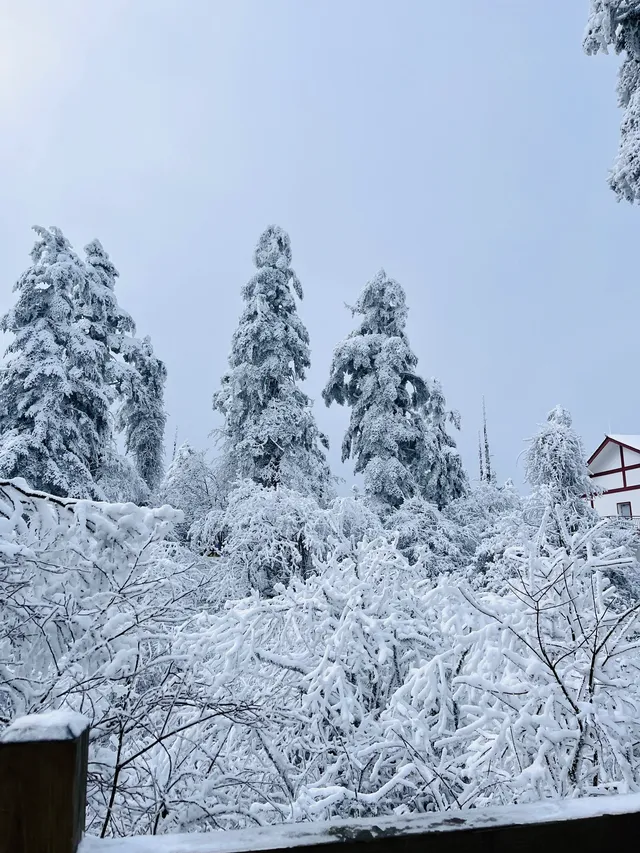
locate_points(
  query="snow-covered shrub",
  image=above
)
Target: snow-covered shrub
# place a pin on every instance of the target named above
(556, 470)
(119, 480)
(425, 536)
(387, 694)
(324, 655)
(555, 460)
(263, 536)
(352, 522)
(477, 516)
(535, 694)
(89, 606)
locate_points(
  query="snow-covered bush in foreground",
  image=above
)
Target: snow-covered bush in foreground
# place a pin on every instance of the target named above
(89, 604)
(536, 693)
(324, 655)
(386, 693)
(359, 686)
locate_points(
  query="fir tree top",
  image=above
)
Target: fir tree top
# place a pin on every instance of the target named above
(374, 372)
(444, 478)
(270, 433)
(46, 433)
(556, 459)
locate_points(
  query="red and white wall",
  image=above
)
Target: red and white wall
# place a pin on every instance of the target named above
(615, 468)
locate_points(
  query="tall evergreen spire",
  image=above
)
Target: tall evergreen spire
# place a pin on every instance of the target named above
(374, 372)
(142, 416)
(270, 434)
(52, 395)
(443, 477)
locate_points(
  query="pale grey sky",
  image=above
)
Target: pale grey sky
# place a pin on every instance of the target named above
(463, 146)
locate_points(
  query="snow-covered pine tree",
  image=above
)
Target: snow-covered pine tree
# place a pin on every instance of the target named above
(191, 486)
(556, 469)
(616, 24)
(443, 477)
(374, 372)
(556, 459)
(51, 398)
(109, 323)
(270, 434)
(135, 376)
(102, 325)
(142, 417)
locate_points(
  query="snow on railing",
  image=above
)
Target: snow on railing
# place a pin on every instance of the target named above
(43, 776)
(624, 521)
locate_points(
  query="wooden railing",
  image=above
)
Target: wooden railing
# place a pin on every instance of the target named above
(624, 521)
(43, 776)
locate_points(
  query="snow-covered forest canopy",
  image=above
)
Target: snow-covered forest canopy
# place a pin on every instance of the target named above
(252, 639)
(249, 645)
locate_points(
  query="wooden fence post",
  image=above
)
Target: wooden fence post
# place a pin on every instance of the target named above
(43, 783)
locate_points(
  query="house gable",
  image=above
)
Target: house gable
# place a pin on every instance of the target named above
(606, 458)
(615, 470)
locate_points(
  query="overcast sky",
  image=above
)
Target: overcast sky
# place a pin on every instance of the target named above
(462, 146)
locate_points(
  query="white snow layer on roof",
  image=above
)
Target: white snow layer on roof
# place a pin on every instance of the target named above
(631, 440)
(309, 834)
(52, 725)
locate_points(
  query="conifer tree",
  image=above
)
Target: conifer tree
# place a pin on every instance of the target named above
(269, 433)
(616, 24)
(109, 323)
(443, 478)
(556, 468)
(136, 376)
(73, 354)
(189, 485)
(105, 324)
(99, 320)
(374, 372)
(142, 417)
(51, 397)
(556, 459)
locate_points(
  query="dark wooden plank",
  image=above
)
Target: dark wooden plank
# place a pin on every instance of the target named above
(43, 794)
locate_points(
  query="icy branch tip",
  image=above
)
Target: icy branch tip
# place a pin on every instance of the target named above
(51, 725)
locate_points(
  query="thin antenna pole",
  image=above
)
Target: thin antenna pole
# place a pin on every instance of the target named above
(487, 454)
(175, 444)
